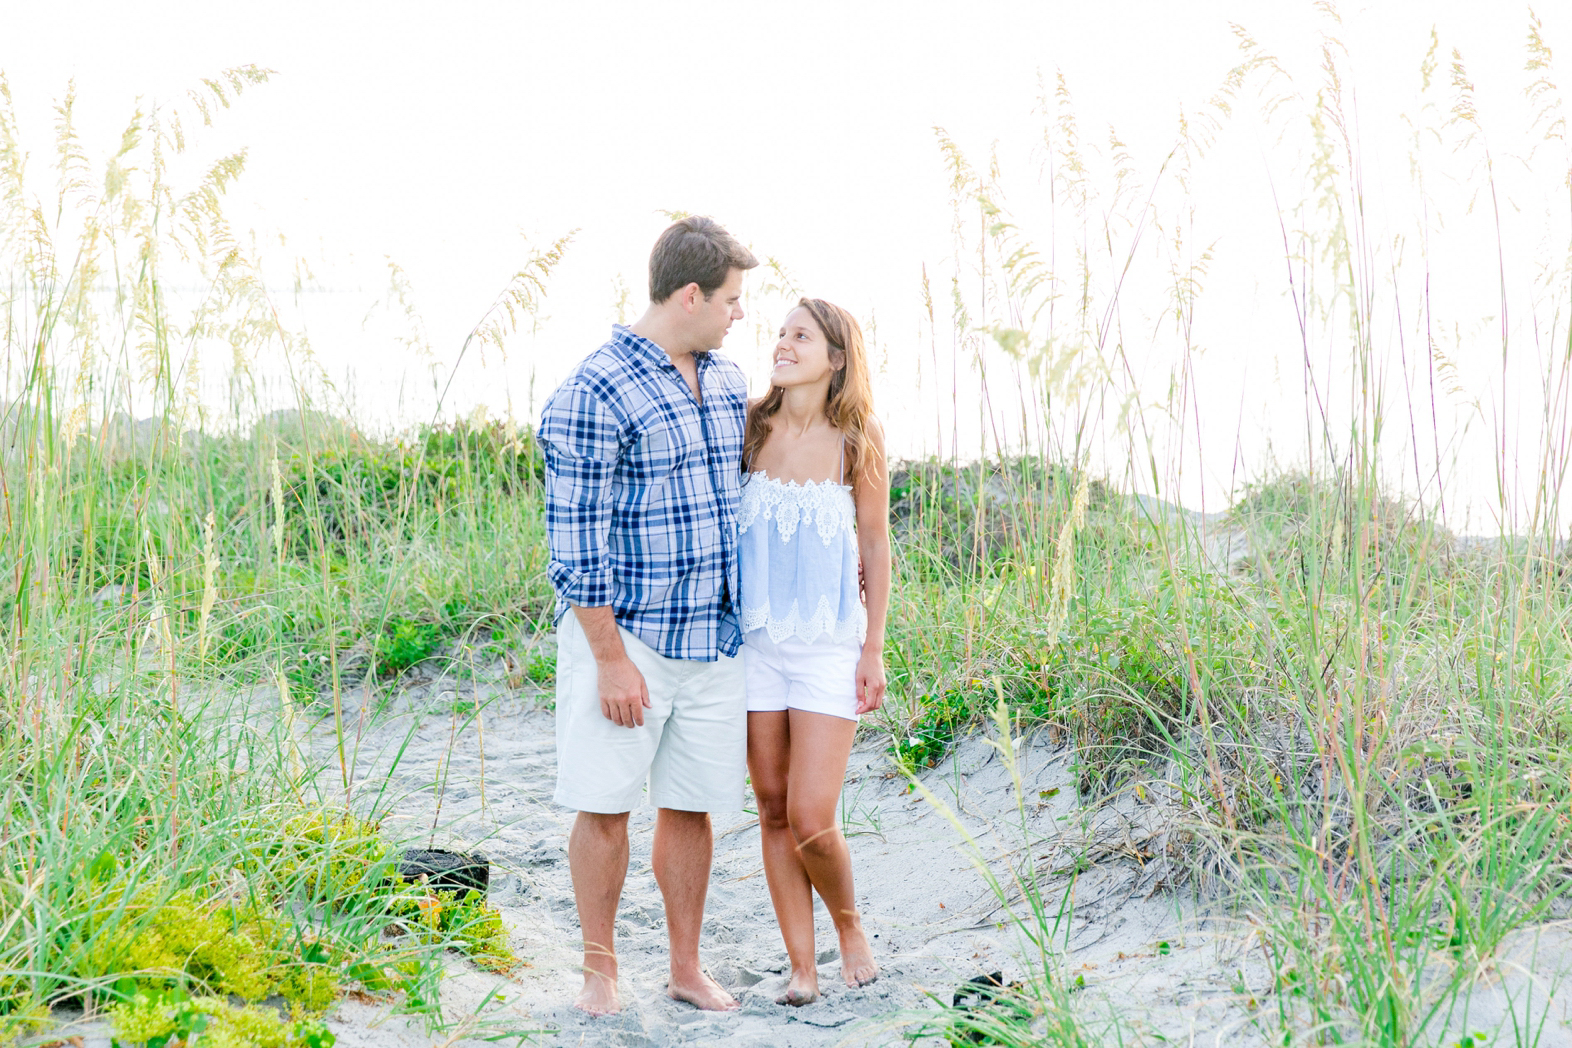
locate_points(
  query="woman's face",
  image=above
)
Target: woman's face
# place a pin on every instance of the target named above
(802, 355)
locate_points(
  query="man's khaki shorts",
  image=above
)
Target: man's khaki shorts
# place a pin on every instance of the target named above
(692, 747)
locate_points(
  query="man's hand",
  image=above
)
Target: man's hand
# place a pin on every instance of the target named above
(623, 694)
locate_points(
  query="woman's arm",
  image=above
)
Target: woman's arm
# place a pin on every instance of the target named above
(872, 495)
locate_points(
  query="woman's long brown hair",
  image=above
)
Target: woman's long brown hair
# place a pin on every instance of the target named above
(849, 403)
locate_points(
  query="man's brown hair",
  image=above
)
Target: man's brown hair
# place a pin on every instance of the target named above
(695, 250)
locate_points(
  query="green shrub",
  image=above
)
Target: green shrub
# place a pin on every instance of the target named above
(363, 493)
(402, 642)
(492, 452)
(542, 669)
(951, 520)
(466, 921)
(171, 1018)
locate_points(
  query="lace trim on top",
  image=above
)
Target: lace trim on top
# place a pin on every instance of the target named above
(823, 503)
(812, 628)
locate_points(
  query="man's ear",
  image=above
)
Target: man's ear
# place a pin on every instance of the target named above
(691, 296)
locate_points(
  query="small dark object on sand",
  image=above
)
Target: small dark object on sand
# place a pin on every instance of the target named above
(979, 988)
(987, 1000)
(446, 870)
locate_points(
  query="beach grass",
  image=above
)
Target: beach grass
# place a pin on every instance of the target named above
(183, 593)
(1353, 719)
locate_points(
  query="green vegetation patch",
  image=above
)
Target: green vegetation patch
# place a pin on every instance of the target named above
(167, 1019)
(301, 905)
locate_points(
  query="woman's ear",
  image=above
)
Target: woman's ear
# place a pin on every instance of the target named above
(837, 359)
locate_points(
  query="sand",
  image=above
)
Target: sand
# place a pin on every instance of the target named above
(934, 920)
(1169, 971)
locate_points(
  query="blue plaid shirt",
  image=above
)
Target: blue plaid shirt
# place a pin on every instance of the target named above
(642, 488)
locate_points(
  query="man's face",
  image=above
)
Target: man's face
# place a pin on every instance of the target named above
(713, 316)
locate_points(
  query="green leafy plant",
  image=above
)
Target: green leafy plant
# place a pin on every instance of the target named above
(171, 1018)
(402, 642)
(542, 669)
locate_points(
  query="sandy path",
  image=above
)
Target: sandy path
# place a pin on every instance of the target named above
(933, 918)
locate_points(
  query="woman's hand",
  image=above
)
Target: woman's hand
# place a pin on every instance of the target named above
(870, 679)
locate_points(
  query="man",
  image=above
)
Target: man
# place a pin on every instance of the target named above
(643, 443)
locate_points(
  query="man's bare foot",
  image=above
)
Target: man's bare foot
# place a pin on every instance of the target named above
(857, 964)
(802, 989)
(599, 996)
(702, 992)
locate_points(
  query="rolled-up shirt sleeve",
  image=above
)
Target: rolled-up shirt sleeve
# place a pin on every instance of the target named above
(581, 439)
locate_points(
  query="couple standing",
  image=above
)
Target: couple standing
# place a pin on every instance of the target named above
(705, 552)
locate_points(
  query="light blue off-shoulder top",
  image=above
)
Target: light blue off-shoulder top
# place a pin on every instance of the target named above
(797, 554)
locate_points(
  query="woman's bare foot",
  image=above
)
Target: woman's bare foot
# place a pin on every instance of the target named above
(802, 989)
(599, 996)
(702, 992)
(857, 964)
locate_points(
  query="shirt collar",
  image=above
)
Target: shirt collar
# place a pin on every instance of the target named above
(646, 350)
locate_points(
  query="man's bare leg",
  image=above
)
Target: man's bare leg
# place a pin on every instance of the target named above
(683, 847)
(598, 862)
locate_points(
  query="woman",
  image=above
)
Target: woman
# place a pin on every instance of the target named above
(815, 503)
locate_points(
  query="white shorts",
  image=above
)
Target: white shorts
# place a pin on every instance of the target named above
(692, 746)
(813, 676)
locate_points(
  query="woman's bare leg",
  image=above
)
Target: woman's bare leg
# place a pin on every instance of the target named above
(769, 756)
(820, 746)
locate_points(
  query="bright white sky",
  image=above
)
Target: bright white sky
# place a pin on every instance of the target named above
(436, 134)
